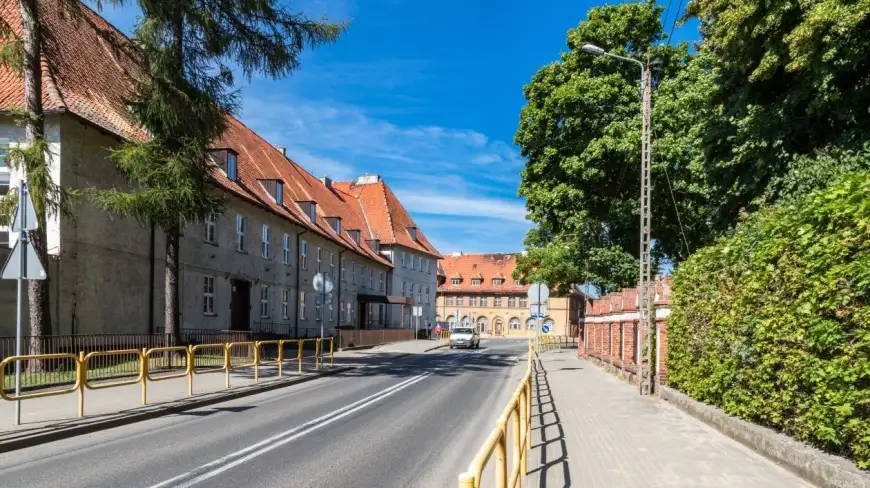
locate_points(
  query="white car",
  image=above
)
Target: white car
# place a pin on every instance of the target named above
(464, 337)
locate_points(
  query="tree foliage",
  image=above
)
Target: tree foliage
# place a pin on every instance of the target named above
(773, 325)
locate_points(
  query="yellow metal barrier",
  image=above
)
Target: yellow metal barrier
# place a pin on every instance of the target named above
(445, 335)
(74, 388)
(255, 364)
(302, 357)
(85, 359)
(279, 361)
(146, 363)
(519, 412)
(194, 371)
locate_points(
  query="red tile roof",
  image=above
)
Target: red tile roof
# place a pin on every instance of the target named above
(387, 219)
(84, 76)
(485, 266)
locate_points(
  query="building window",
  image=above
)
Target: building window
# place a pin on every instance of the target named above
(419, 293)
(232, 166)
(343, 275)
(353, 272)
(455, 281)
(285, 303)
(428, 266)
(530, 324)
(208, 295)
(381, 281)
(362, 275)
(497, 282)
(264, 301)
(428, 293)
(472, 301)
(475, 282)
(285, 248)
(265, 251)
(404, 289)
(403, 259)
(512, 302)
(514, 324)
(240, 233)
(458, 301)
(341, 312)
(317, 307)
(332, 265)
(302, 305)
(419, 264)
(382, 311)
(353, 311)
(371, 278)
(517, 283)
(329, 307)
(210, 228)
(449, 301)
(303, 255)
(524, 302)
(496, 302)
(319, 258)
(483, 302)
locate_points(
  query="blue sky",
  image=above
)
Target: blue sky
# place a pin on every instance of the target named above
(425, 93)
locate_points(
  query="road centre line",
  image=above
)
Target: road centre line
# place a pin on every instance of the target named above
(218, 466)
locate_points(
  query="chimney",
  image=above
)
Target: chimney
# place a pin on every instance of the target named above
(282, 149)
(327, 181)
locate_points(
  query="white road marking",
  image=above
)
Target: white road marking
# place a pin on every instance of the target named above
(218, 466)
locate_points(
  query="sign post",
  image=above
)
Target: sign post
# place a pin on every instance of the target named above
(23, 264)
(417, 310)
(323, 285)
(538, 295)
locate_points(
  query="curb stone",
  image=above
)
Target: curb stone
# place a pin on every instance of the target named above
(58, 432)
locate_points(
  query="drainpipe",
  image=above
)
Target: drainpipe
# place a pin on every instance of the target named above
(338, 284)
(298, 271)
(151, 282)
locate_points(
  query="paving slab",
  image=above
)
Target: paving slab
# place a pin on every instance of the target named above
(591, 429)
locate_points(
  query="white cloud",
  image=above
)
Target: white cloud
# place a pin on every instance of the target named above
(416, 201)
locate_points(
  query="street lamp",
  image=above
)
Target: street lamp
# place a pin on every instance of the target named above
(645, 307)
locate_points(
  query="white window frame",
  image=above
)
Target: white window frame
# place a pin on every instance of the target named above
(343, 270)
(497, 282)
(341, 312)
(285, 303)
(460, 302)
(329, 308)
(449, 301)
(518, 283)
(371, 278)
(301, 305)
(362, 276)
(266, 235)
(381, 281)
(404, 289)
(303, 254)
(484, 301)
(211, 228)
(318, 307)
(353, 272)
(403, 259)
(319, 258)
(476, 282)
(285, 249)
(208, 295)
(496, 302)
(512, 302)
(264, 301)
(332, 265)
(240, 233)
(455, 281)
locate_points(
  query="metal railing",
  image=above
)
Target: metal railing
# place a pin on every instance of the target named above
(372, 337)
(519, 412)
(549, 342)
(170, 362)
(445, 335)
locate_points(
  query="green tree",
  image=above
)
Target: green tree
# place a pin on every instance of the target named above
(23, 53)
(791, 80)
(188, 49)
(580, 132)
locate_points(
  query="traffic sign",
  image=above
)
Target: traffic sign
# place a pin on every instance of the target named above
(537, 315)
(417, 310)
(27, 269)
(322, 283)
(545, 328)
(538, 293)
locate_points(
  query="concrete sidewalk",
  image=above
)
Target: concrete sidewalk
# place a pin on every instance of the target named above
(590, 429)
(122, 404)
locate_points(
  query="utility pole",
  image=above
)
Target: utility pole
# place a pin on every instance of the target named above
(645, 308)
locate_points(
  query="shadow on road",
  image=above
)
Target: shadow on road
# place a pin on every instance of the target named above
(549, 436)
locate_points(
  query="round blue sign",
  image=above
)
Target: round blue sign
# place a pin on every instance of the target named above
(545, 328)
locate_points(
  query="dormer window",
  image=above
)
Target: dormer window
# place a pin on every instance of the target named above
(517, 283)
(475, 282)
(455, 281)
(375, 245)
(334, 223)
(227, 159)
(497, 281)
(310, 209)
(355, 235)
(412, 231)
(275, 189)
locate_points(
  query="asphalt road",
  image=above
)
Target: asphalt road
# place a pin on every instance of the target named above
(414, 423)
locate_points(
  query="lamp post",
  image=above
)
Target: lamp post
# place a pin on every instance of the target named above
(645, 305)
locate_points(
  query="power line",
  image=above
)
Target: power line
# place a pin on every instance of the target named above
(674, 23)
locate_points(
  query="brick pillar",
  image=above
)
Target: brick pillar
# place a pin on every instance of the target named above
(662, 350)
(622, 342)
(614, 341)
(581, 342)
(629, 338)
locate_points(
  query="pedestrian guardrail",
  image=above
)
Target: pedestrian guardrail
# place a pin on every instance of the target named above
(519, 413)
(445, 335)
(550, 342)
(171, 362)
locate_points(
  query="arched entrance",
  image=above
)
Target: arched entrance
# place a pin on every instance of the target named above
(483, 325)
(498, 327)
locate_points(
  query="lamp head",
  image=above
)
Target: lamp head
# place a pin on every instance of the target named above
(592, 49)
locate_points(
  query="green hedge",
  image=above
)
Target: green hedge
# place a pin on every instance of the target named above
(772, 323)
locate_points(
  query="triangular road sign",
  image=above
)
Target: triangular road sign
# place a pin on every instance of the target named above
(30, 222)
(33, 269)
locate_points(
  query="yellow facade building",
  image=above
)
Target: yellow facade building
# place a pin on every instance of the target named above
(479, 289)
